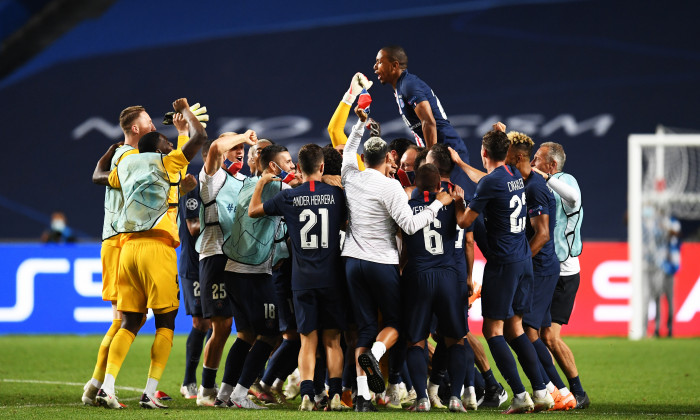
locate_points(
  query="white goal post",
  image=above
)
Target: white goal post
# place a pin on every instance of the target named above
(663, 173)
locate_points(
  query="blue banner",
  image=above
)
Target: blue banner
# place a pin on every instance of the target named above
(58, 289)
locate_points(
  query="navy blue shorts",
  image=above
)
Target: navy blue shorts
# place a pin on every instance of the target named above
(506, 289)
(319, 309)
(373, 287)
(216, 301)
(538, 316)
(191, 294)
(439, 292)
(564, 297)
(253, 297)
(282, 278)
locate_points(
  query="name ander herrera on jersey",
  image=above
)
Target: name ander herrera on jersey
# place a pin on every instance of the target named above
(313, 200)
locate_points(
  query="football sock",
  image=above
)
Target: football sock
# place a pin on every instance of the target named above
(470, 375)
(160, 352)
(378, 349)
(548, 364)
(225, 391)
(397, 359)
(528, 360)
(292, 359)
(208, 377)
(362, 387)
(488, 377)
(108, 385)
(349, 371)
(101, 365)
(117, 353)
(151, 387)
(193, 352)
(254, 361)
(275, 364)
(478, 378)
(418, 369)
(335, 386)
(575, 385)
(234, 361)
(506, 363)
(458, 362)
(320, 375)
(406, 376)
(239, 393)
(307, 388)
(564, 391)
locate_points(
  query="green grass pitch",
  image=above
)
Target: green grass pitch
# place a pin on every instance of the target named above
(42, 376)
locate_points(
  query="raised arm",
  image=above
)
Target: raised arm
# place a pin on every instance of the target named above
(222, 145)
(349, 159)
(100, 175)
(460, 206)
(198, 135)
(474, 174)
(570, 195)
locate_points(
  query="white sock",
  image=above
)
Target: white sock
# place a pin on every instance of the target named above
(94, 382)
(265, 387)
(540, 393)
(564, 391)
(432, 388)
(239, 393)
(225, 391)
(378, 349)
(319, 397)
(521, 396)
(461, 391)
(345, 388)
(108, 384)
(472, 391)
(550, 387)
(362, 387)
(151, 386)
(278, 384)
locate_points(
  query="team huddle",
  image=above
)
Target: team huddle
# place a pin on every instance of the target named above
(330, 265)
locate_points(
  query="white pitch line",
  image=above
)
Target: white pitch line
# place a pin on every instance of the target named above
(33, 381)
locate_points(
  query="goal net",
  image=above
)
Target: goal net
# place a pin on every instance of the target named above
(663, 180)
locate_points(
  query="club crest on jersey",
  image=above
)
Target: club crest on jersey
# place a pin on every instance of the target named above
(191, 204)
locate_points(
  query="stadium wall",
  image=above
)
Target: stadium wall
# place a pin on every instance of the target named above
(57, 289)
(538, 67)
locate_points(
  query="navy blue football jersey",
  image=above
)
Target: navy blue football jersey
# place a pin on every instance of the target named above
(540, 201)
(410, 91)
(460, 260)
(188, 266)
(314, 213)
(500, 197)
(434, 245)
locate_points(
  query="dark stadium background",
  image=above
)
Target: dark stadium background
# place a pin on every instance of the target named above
(583, 73)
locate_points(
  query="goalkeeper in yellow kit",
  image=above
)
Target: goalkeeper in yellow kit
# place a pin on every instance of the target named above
(147, 263)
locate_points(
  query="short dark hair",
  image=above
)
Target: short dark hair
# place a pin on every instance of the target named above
(400, 145)
(420, 157)
(442, 159)
(396, 53)
(427, 178)
(128, 115)
(333, 161)
(148, 143)
(375, 150)
(268, 154)
(496, 144)
(310, 158)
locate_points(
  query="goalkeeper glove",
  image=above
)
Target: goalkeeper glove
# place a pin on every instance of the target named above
(199, 111)
(357, 84)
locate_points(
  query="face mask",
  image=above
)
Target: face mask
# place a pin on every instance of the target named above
(58, 225)
(232, 167)
(284, 175)
(411, 177)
